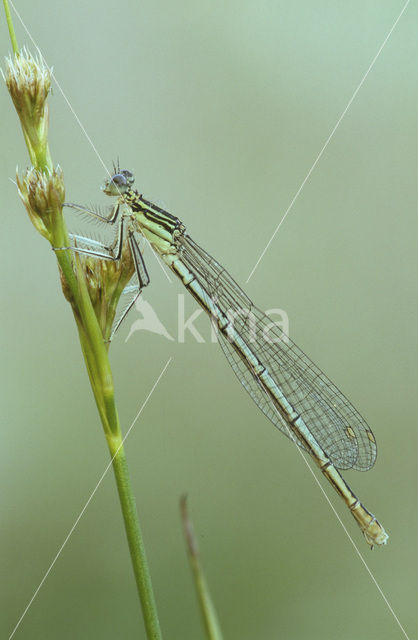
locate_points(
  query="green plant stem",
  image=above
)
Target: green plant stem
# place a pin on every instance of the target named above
(135, 540)
(98, 367)
(95, 352)
(10, 27)
(100, 374)
(207, 608)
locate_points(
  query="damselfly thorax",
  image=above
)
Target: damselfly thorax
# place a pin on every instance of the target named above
(286, 385)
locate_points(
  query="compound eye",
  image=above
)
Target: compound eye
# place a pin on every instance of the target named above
(129, 177)
(119, 183)
(119, 180)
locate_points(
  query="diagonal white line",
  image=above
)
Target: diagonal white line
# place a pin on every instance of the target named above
(327, 142)
(389, 606)
(80, 124)
(250, 275)
(88, 502)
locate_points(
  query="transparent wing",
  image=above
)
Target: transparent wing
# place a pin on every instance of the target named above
(139, 280)
(126, 302)
(108, 246)
(333, 421)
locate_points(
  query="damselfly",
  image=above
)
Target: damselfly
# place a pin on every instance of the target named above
(287, 386)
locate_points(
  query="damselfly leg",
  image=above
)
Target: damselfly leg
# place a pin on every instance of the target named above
(285, 384)
(113, 251)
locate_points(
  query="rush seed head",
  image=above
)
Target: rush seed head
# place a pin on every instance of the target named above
(106, 280)
(28, 80)
(43, 195)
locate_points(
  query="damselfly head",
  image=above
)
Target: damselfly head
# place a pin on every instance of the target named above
(118, 183)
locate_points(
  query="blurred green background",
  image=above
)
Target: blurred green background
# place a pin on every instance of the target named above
(220, 108)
